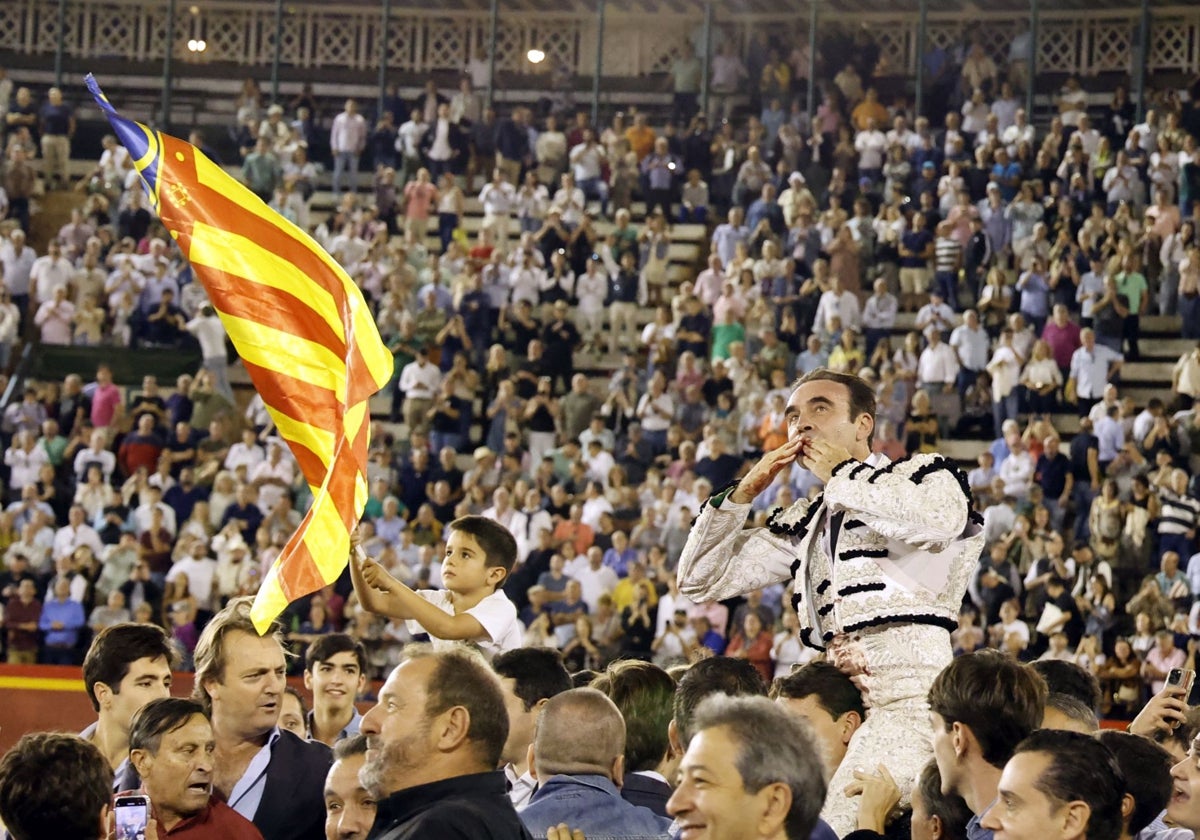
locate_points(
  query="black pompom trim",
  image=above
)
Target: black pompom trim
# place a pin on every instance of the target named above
(854, 473)
(884, 470)
(862, 587)
(906, 618)
(941, 463)
(853, 523)
(824, 586)
(806, 639)
(855, 553)
(797, 598)
(795, 529)
(825, 610)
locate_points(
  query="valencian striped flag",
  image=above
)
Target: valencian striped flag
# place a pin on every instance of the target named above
(302, 328)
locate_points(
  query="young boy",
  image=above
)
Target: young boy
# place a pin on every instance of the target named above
(480, 553)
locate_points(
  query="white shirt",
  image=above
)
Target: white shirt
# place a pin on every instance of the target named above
(68, 539)
(210, 332)
(420, 381)
(871, 146)
(495, 613)
(48, 274)
(879, 313)
(497, 199)
(1005, 370)
(597, 582)
(938, 364)
(348, 134)
(844, 306)
(591, 288)
(200, 576)
(972, 346)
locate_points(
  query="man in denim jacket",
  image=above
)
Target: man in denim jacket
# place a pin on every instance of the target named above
(578, 759)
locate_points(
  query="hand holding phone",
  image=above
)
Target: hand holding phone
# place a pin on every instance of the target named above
(132, 812)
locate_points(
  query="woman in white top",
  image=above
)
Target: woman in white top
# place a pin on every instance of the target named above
(1042, 379)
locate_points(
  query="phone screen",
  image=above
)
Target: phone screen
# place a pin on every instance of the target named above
(132, 815)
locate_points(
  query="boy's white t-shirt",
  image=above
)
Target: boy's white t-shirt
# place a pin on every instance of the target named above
(495, 613)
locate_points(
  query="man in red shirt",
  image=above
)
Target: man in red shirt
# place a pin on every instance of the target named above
(171, 747)
(21, 623)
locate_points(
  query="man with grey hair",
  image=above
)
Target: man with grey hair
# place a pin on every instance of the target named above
(578, 759)
(772, 788)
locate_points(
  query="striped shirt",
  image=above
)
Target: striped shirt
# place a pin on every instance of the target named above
(946, 255)
(1179, 513)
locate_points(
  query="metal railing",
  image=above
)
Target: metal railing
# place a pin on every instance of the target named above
(346, 35)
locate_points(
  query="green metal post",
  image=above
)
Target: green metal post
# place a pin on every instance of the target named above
(1141, 65)
(706, 61)
(383, 52)
(493, 32)
(60, 47)
(812, 64)
(278, 50)
(599, 65)
(168, 57)
(1033, 56)
(922, 25)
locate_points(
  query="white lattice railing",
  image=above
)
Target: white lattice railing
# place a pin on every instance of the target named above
(420, 40)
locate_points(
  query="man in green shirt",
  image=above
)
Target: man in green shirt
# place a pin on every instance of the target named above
(1132, 283)
(53, 442)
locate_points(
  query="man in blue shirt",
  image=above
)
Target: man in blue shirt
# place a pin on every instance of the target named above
(578, 759)
(765, 211)
(61, 621)
(726, 236)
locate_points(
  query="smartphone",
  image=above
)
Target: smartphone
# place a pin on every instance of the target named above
(133, 814)
(1184, 678)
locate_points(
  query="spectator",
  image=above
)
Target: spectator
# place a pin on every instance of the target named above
(78, 804)
(459, 788)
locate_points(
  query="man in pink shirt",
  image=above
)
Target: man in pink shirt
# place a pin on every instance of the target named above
(106, 398)
(1062, 334)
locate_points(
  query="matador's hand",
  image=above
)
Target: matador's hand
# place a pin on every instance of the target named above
(763, 473)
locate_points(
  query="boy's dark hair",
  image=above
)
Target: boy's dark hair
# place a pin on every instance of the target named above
(537, 673)
(498, 544)
(1147, 769)
(1068, 678)
(117, 647)
(54, 785)
(157, 718)
(1080, 768)
(947, 807)
(715, 675)
(331, 644)
(1002, 701)
(834, 691)
(645, 696)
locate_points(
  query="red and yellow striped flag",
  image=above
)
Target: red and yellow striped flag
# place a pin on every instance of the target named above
(302, 328)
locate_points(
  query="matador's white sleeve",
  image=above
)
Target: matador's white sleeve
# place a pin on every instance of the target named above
(922, 500)
(722, 558)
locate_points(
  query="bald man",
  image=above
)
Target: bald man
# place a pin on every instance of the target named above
(578, 759)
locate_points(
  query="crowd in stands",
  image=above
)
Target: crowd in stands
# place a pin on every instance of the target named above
(553, 377)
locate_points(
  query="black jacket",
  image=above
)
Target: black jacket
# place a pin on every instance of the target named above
(473, 807)
(293, 803)
(647, 792)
